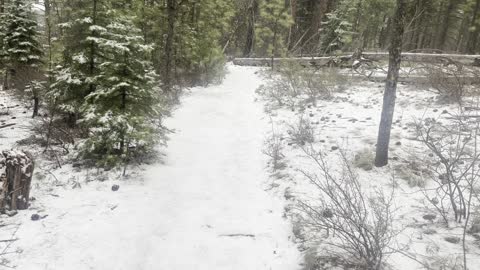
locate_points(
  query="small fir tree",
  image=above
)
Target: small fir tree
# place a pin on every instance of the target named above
(21, 51)
(76, 76)
(124, 112)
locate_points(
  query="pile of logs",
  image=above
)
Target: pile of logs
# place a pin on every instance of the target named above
(16, 171)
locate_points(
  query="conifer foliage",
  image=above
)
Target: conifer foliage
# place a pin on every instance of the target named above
(114, 67)
(106, 83)
(125, 109)
(20, 49)
(271, 28)
(75, 76)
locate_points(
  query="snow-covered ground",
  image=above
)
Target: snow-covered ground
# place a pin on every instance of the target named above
(205, 207)
(212, 203)
(349, 121)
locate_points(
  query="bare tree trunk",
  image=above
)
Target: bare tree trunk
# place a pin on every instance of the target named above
(171, 17)
(319, 10)
(473, 36)
(383, 141)
(36, 105)
(5, 79)
(48, 26)
(252, 18)
(91, 68)
(417, 28)
(442, 42)
(274, 43)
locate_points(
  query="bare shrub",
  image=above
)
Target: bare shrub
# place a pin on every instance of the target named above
(55, 132)
(290, 81)
(455, 168)
(362, 223)
(301, 132)
(312, 261)
(413, 171)
(292, 74)
(364, 159)
(445, 263)
(450, 81)
(274, 149)
(276, 91)
(454, 150)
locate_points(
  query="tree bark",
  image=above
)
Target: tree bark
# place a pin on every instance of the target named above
(36, 105)
(383, 141)
(252, 18)
(91, 68)
(319, 10)
(473, 36)
(16, 170)
(48, 28)
(445, 26)
(171, 17)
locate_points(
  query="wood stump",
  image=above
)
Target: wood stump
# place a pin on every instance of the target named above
(16, 171)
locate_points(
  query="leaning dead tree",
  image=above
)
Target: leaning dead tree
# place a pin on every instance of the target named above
(16, 170)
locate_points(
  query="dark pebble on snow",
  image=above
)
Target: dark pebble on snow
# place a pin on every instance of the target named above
(115, 187)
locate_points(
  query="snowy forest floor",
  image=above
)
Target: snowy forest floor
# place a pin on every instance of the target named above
(204, 207)
(213, 202)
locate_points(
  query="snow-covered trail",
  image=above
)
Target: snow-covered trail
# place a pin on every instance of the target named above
(205, 208)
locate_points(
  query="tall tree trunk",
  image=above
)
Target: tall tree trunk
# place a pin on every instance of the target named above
(36, 105)
(5, 79)
(358, 12)
(417, 28)
(48, 27)
(383, 37)
(319, 10)
(251, 20)
(5, 76)
(445, 26)
(91, 68)
(274, 43)
(383, 141)
(293, 28)
(171, 17)
(473, 36)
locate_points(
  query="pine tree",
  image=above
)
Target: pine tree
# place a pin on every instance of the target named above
(207, 55)
(338, 31)
(20, 51)
(198, 52)
(272, 28)
(75, 78)
(125, 110)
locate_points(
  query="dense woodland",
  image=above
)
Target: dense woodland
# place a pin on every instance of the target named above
(110, 70)
(101, 77)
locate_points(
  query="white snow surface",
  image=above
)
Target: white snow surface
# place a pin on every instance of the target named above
(206, 207)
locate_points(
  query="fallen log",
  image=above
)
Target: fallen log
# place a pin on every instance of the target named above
(238, 235)
(347, 58)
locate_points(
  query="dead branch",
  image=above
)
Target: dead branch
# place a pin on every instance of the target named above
(7, 125)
